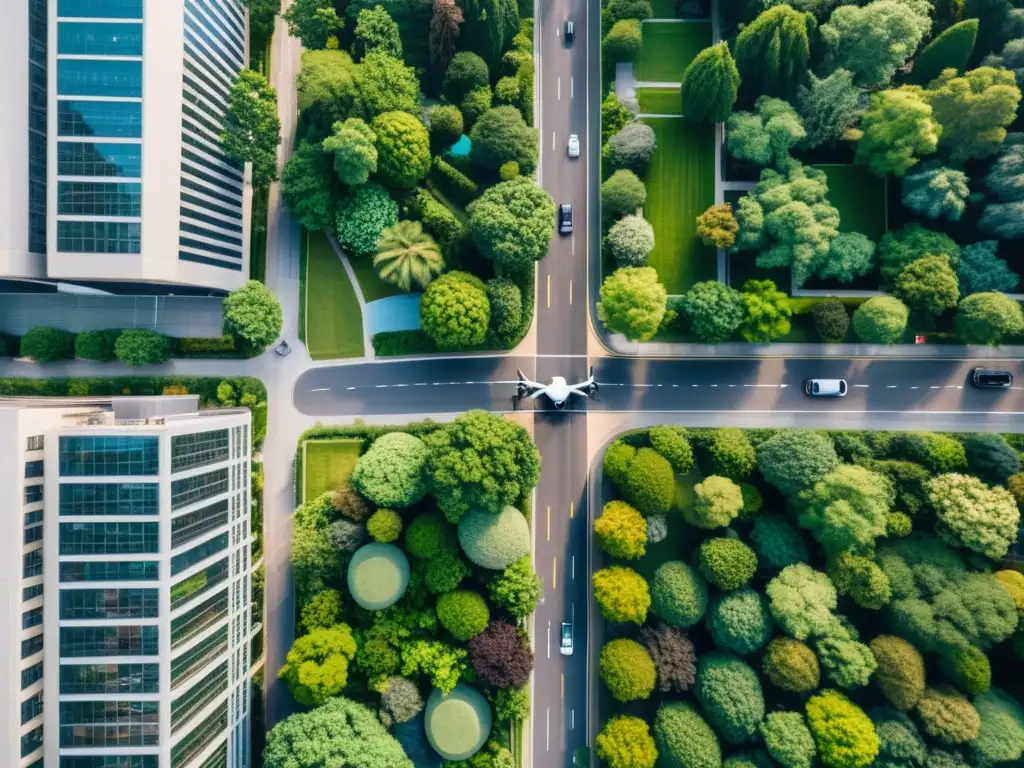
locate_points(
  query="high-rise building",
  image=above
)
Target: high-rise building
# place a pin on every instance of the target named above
(116, 177)
(126, 584)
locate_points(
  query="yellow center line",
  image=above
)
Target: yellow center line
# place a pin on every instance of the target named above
(554, 572)
(549, 523)
(572, 509)
(549, 290)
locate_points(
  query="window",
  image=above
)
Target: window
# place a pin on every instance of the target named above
(109, 641)
(87, 198)
(191, 525)
(197, 488)
(98, 237)
(34, 443)
(109, 678)
(210, 207)
(33, 517)
(31, 708)
(110, 761)
(100, 9)
(33, 469)
(109, 538)
(31, 741)
(109, 499)
(192, 229)
(200, 737)
(32, 646)
(109, 723)
(198, 696)
(195, 620)
(104, 119)
(132, 570)
(33, 493)
(30, 593)
(219, 757)
(199, 583)
(84, 456)
(190, 557)
(98, 77)
(198, 449)
(198, 656)
(85, 158)
(37, 128)
(33, 534)
(31, 675)
(32, 563)
(31, 618)
(131, 603)
(97, 38)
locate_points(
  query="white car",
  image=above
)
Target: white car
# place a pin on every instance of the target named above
(565, 646)
(574, 146)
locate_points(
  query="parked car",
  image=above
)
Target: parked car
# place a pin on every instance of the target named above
(825, 387)
(574, 145)
(565, 646)
(987, 378)
(564, 219)
(283, 349)
(570, 32)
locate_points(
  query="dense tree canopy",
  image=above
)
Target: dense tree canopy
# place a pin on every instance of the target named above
(772, 53)
(361, 217)
(898, 130)
(377, 31)
(251, 127)
(512, 223)
(988, 318)
(355, 155)
(765, 138)
(880, 320)
(314, 22)
(385, 84)
(950, 49)
(713, 310)
(767, 312)
(981, 270)
(935, 191)
(710, 84)
(928, 284)
(974, 110)
(252, 314)
(828, 107)
(316, 668)
(403, 149)
(309, 186)
(633, 302)
(874, 40)
(501, 136)
(391, 472)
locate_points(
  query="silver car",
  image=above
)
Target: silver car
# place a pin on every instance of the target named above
(574, 145)
(825, 387)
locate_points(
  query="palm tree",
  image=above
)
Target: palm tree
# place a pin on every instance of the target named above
(407, 255)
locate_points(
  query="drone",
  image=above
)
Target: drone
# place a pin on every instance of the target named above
(557, 391)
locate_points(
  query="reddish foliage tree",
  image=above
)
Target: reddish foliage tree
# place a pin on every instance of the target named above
(444, 34)
(674, 657)
(500, 656)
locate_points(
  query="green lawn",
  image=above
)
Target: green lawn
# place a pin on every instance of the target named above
(668, 49)
(680, 186)
(328, 464)
(664, 9)
(370, 284)
(659, 101)
(334, 321)
(860, 197)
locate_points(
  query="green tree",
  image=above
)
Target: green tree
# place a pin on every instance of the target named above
(982, 270)
(252, 314)
(613, 116)
(376, 31)
(355, 155)
(261, 17)
(850, 255)
(1001, 734)
(630, 240)
(516, 589)
(385, 84)
(316, 667)
(314, 558)
(727, 563)
(136, 346)
(506, 307)
(632, 147)
(441, 663)
(326, 91)
(828, 107)
(322, 611)
(947, 716)
(802, 601)
(974, 110)
(445, 21)
(772, 53)
(512, 224)
(717, 226)
(617, 10)
(996, 23)
(684, 739)
(710, 84)
(96, 345)
(627, 669)
(391, 472)
(788, 740)
(446, 125)
(767, 312)
(713, 310)
(912, 242)
(767, 137)
(406, 255)
(972, 515)
(310, 187)
(455, 312)
(339, 732)
(929, 284)
(967, 667)
(621, 531)
(844, 735)
(880, 320)
(730, 695)
(314, 22)
(623, 42)
(952, 48)
(935, 191)
(500, 136)
(795, 459)
(626, 742)
(463, 613)
(898, 129)
(846, 510)
(622, 194)
(465, 72)
(621, 594)
(384, 525)
(874, 40)
(403, 149)
(361, 217)
(1004, 217)
(251, 129)
(632, 303)
(1011, 57)
(859, 577)
(489, 27)
(648, 482)
(672, 444)
(831, 322)
(507, 92)
(717, 500)
(476, 103)
(900, 674)
(988, 318)
(791, 665)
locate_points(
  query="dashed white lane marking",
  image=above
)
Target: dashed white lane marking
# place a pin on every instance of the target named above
(934, 387)
(915, 387)
(862, 386)
(891, 386)
(323, 389)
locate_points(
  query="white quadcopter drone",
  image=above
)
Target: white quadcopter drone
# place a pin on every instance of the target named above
(557, 391)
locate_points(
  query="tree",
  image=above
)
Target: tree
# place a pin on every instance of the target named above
(407, 255)
(846, 510)
(988, 318)
(847, 662)
(463, 613)
(627, 670)
(772, 53)
(900, 248)
(339, 732)
(384, 525)
(1011, 57)
(391, 472)
(506, 307)
(859, 577)
(446, 125)
(309, 186)
(880, 320)
(672, 444)
(501, 135)
(512, 224)
(730, 696)
(972, 515)
(898, 129)
(850, 255)
(740, 622)
(947, 716)
(96, 345)
(314, 22)
(481, 460)
(316, 667)
(137, 346)
(767, 312)
(621, 594)
(322, 611)
(361, 217)
(455, 312)
(648, 482)
(967, 667)
(794, 460)
(441, 663)
(874, 40)
(477, 102)
(632, 303)
(623, 41)
(713, 310)
(679, 595)
(445, 21)
(788, 740)
(900, 673)
(935, 191)
(622, 531)
(828, 107)
(385, 84)
(465, 72)
(516, 589)
(630, 240)
(403, 149)
(831, 322)
(617, 10)
(614, 116)
(974, 110)
(710, 84)
(507, 92)
(791, 665)
(929, 285)
(626, 742)
(982, 271)
(489, 28)
(673, 654)
(252, 314)
(512, 704)
(731, 453)
(684, 739)
(400, 701)
(717, 226)
(315, 560)
(326, 89)
(951, 49)
(717, 500)
(376, 31)
(802, 601)
(767, 137)
(355, 155)
(261, 17)
(1001, 734)
(632, 147)
(899, 743)
(622, 194)
(844, 735)
(251, 127)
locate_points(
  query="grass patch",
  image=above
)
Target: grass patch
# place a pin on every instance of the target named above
(328, 464)
(370, 284)
(680, 186)
(664, 9)
(659, 101)
(860, 197)
(669, 48)
(303, 270)
(335, 320)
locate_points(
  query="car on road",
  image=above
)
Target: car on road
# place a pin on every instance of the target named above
(570, 32)
(565, 644)
(564, 219)
(574, 145)
(825, 387)
(283, 349)
(986, 378)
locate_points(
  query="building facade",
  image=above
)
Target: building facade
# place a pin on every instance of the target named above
(130, 602)
(119, 181)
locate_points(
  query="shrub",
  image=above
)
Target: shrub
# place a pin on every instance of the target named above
(384, 525)
(648, 483)
(476, 103)
(252, 314)
(622, 531)
(403, 149)
(400, 701)
(899, 743)
(988, 318)
(752, 500)
(455, 312)
(671, 443)
(731, 454)
(679, 595)
(713, 311)
(511, 704)
(316, 667)
(788, 739)
(322, 611)
(506, 300)
(1013, 582)
(939, 453)
(847, 662)
(494, 541)
(967, 668)
(136, 347)
(862, 579)
(717, 226)
(347, 536)
(740, 621)
(674, 657)
(631, 147)
(96, 345)
(630, 240)
(991, 458)
(627, 669)
(508, 171)
(1001, 735)
(730, 695)
(727, 563)
(791, 666)
(440, 663)
(391, 472)
(446, 126)
(622, 194)
(501, 136)
(802, 601)
(426, 535)
(777, 542)
(623, 41)
(880, 320)
(361, 216)
(717, 501)
(684, 739)
(501, 656)
(972, 515)
(454, 181)
(844, 735)
(377, 576)
(457, 723)
(947, 716)
(928, 285)
(445, 571)
(795, 459)
(349, 504)
(846, 509)
(466, 71)
(516, 589)
(626, 742)
(831, 321)
(622, 594)
(463, 613)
